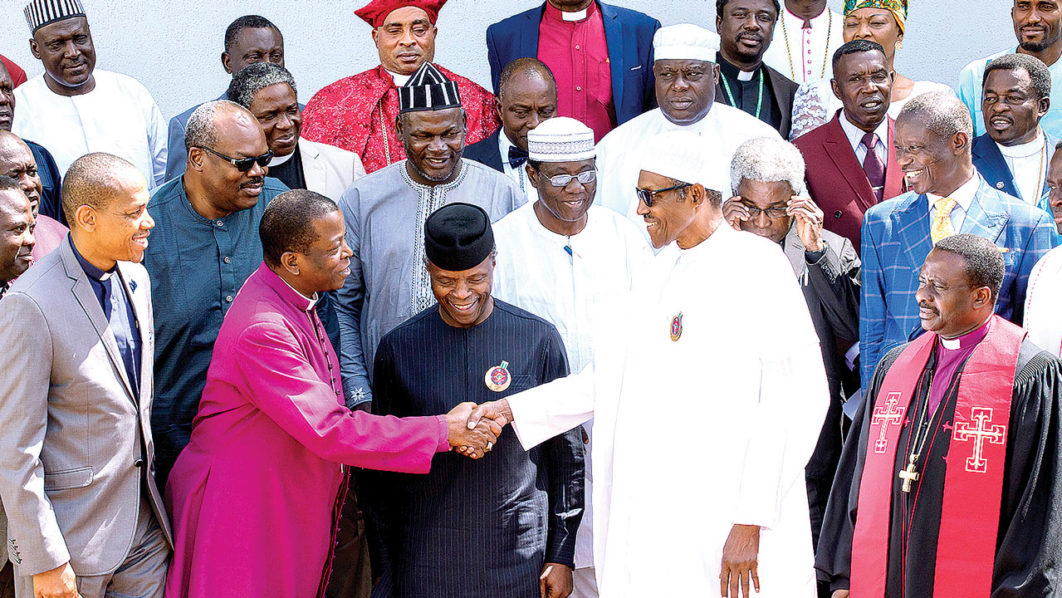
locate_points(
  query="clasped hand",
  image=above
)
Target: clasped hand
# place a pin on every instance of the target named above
(475, 428)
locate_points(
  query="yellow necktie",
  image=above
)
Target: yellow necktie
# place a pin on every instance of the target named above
(942, 221)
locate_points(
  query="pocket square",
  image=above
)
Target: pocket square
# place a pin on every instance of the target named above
(132, 286)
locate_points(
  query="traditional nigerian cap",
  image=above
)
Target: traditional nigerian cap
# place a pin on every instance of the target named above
(560, 139)
(458, 237)
(680, 155)
(428, 89)
(898, 8)
(45, 12)
(685, 42)
(375, 12)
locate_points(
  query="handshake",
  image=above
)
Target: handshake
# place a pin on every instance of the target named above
(473, 429)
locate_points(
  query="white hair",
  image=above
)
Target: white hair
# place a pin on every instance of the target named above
(768, 160)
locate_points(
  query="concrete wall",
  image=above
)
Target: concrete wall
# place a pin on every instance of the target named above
(173, 46)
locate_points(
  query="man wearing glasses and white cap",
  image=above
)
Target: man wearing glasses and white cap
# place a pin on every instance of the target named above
(716, 351)
(559, 258)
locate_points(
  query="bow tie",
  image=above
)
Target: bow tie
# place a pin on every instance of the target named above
(517, 156)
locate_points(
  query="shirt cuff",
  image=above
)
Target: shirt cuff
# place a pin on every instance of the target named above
(814, 257)
(444, 436)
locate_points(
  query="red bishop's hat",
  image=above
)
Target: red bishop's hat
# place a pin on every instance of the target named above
(376, 11)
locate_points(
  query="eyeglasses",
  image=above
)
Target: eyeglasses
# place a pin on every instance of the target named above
(773, 212)
(563, 180)
(646, 195)
(243, 164)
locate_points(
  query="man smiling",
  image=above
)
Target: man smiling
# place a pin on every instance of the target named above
(933, 135)
(386, 210)
(686, 76)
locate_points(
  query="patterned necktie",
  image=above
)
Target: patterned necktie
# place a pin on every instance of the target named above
(942, 221)
(873, 166)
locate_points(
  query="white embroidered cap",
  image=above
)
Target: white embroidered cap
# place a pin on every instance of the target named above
(685, 42)
(680, 155)
(561, 139)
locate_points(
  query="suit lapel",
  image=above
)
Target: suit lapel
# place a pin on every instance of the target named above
(781, 99)
(912, 222)
(614, 40)
(312, 168)
(82, 290)
(986, 216)
(992, 166)
(840, 151)
(141, 311)
(794, 250)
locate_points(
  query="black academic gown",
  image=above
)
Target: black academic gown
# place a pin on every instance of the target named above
(1029, 544)
(472, 529)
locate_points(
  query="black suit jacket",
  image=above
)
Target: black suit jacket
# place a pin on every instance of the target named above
(487, 152)
(783, 89)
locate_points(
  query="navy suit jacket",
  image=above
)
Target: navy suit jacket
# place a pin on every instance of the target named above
(487, 152)
(896, 241)
(629, 35)
(989, 161)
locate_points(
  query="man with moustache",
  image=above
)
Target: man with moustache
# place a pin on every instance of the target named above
(808, 34)
(527, 96)
(385, 214)
(949, 480)
(600, 54)
(358, 113)
(515, 514)
(204, 247)
(85, 517)
(16, 161)
(686, 77)
(559, 258)
(745, 29)
(1045, 282)
(73, 108)
(1038, 28)
(249, 39)
(256, 494)
(851, 160)
(933, 138)
(717, 334)
(1014, 154)
(44, 163)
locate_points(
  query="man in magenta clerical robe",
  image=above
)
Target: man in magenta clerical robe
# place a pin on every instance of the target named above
(257, 493)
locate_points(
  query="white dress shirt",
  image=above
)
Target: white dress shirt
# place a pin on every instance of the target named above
(1028, 166)
(518, 175)
(855, 138)
(963, 197)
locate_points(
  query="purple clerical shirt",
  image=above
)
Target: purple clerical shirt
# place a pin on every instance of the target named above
(951, 353)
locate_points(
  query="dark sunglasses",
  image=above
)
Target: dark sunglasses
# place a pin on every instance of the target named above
(646, 195)
(243, 164)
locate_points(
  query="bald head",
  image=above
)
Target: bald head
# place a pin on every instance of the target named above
(524, 69)
(527, 95)
(96, 179)
(17, 162)
(228, 159)
(202, 128)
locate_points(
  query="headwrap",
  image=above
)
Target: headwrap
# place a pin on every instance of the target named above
(375, 12)
(685, 42)
(428, 89)
(45, 12)
(458, 237)
(898, 8)
(561, 139)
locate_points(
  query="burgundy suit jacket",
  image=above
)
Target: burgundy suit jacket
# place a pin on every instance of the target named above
(836, 181)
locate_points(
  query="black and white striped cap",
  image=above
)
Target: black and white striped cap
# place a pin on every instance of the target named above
(428, 89)
(45, 12)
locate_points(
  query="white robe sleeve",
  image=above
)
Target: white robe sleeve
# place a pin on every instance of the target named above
(793, 398)
(545, 411)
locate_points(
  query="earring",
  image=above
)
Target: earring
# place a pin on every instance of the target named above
(899, 45)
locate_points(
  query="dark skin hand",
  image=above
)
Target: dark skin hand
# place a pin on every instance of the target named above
(840, 594)
(555, 581)
(740, 561)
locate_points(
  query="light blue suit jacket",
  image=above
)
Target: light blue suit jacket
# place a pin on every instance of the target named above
(896, 242)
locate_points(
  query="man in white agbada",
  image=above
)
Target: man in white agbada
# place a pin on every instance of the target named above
(74, 108)
(560, 258)
(1043, 300)
(707, 392)
(686, 77)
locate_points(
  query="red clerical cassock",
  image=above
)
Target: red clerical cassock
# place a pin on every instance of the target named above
(358, 113)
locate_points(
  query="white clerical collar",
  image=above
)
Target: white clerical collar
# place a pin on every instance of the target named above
(278, 160)
(313, 300)
(815, 21)
(577, 15)
(855, 134)
(400, 80)
(963, 196)
(745, 75)
(1024, 150)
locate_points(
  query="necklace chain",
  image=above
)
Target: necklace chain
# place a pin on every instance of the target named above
(825, 53)
(759, 95)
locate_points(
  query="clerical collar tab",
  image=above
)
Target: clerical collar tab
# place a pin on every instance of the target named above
(578, 15)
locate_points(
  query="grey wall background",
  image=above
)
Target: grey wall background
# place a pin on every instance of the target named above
(173, 47)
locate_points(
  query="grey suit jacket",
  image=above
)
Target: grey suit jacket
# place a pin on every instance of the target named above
(76, 448)
(329, 170)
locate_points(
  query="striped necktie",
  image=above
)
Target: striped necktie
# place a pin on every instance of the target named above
(942, 221)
